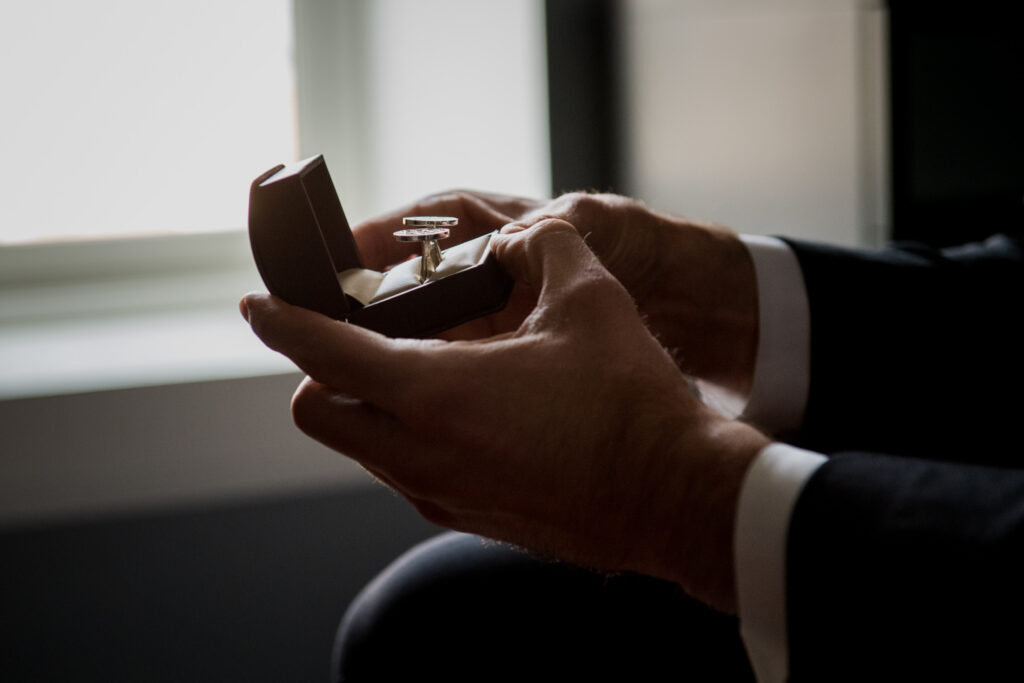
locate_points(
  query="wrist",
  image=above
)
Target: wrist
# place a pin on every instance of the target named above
(698, 553)
(705, 308)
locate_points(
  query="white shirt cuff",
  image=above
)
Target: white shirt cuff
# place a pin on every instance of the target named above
(769, 493)
(778, 396)
(776, 404)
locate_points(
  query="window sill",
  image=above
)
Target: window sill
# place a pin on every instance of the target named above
(116, 352)
(143, 394)
(129, 313)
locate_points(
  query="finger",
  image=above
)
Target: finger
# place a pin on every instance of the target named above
(362, 363)
(348, 425)
(376, 439)
(549, 256)
(509, 205)
(357, 429)
(471, 334)
(574, 287)
(499, 325)
(478, 213)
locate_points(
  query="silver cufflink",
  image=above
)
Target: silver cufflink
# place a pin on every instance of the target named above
(427, 230)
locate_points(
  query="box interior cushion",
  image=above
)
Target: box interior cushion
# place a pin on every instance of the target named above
(370, 286)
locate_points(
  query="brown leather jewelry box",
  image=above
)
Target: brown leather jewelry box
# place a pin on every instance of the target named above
(306, 255)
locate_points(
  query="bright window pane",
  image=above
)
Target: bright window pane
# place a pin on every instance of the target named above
(126, 117)
(458, 98)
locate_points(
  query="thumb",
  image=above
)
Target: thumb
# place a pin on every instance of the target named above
(548, 255)
(574, 287)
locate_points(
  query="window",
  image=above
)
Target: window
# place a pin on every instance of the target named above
(129, 118)
(137, 119)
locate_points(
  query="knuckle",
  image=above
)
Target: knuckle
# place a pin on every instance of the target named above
(449, 195)
(596, 284)
(575, 204)
(304, 403)
(551, 225)
(599, 298)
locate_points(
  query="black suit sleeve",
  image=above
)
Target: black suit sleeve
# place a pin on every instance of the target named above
(910, 566)
(915, 351)
(906, 570)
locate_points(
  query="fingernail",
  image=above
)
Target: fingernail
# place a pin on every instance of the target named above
(243, 308)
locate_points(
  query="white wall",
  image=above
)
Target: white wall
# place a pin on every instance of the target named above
(763, 115)
(410, 97)
(160, 447)
(458, 98)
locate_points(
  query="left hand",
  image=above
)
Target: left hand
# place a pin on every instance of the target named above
(693, 283)
(575, 435)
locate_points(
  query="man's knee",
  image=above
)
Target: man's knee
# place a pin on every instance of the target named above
(427, 606)
(460, 607)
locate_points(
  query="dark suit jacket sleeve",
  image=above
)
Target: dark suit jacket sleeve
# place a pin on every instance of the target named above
(915, 350)
(906, 569)
(905, 558)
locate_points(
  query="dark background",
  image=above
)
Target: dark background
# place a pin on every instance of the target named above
(957, 95)
(240, 592)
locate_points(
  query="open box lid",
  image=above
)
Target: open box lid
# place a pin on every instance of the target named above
(300, 237)
(303, 245)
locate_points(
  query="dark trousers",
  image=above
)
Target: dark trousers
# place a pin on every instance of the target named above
(457, 607)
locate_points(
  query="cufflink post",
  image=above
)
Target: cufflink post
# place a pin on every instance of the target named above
(427, 230)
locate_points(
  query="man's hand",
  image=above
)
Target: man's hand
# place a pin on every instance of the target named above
(574, 435)
(693, 283)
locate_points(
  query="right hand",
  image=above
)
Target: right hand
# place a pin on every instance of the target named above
(693, 282)
(573, 435)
